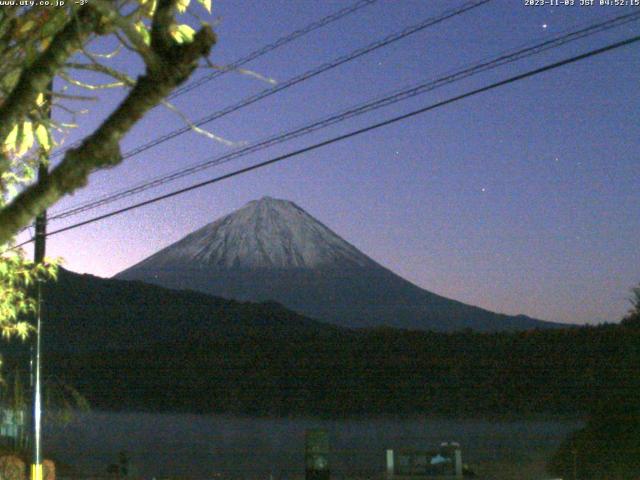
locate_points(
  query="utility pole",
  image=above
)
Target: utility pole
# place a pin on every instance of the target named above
(38, 257)
(39, 249)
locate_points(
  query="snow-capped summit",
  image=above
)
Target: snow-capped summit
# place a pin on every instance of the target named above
(266, 233)
(272, 249)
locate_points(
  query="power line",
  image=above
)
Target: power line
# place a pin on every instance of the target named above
(447, 14)
(394, 97)
(278, 43)
(257, 53)
(429, 22)
(354, 133)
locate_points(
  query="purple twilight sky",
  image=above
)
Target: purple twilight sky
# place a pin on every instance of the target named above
(523, 199)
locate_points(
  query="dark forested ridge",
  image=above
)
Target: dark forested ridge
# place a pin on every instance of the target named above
(128, 345)
(385, 371)
(88, 313)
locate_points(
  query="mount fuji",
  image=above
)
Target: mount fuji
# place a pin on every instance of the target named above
(272, 249)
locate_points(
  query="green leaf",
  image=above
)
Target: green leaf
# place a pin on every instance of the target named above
(25, 139)
(144, 31)
(28, 25)
(10, 141)
(42, 134)
(182, 5)
(22, 329)
(11, 78)
(148, 7)
(206, 4)
(183, 33)
(29, 173)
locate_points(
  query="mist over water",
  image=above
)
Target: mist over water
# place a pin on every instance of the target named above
(206, 446)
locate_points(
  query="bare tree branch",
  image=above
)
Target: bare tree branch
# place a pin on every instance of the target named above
(110, 11)
(35, 79)
(100, 68)
(87, 86)
(101, 149)
(195, 128)
(106, 56)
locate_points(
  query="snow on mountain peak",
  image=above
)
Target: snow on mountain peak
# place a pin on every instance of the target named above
(265, 233)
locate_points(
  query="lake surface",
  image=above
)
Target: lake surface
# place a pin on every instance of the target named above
(214, 446)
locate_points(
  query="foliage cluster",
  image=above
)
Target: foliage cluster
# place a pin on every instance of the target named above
(17, 277)
(46, 46)
(632, 319)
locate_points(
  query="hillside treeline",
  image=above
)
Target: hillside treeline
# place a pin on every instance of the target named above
(383, 371)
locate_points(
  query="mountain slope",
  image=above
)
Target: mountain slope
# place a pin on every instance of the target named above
(265, 234)
(87, 313)
(273, 250)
